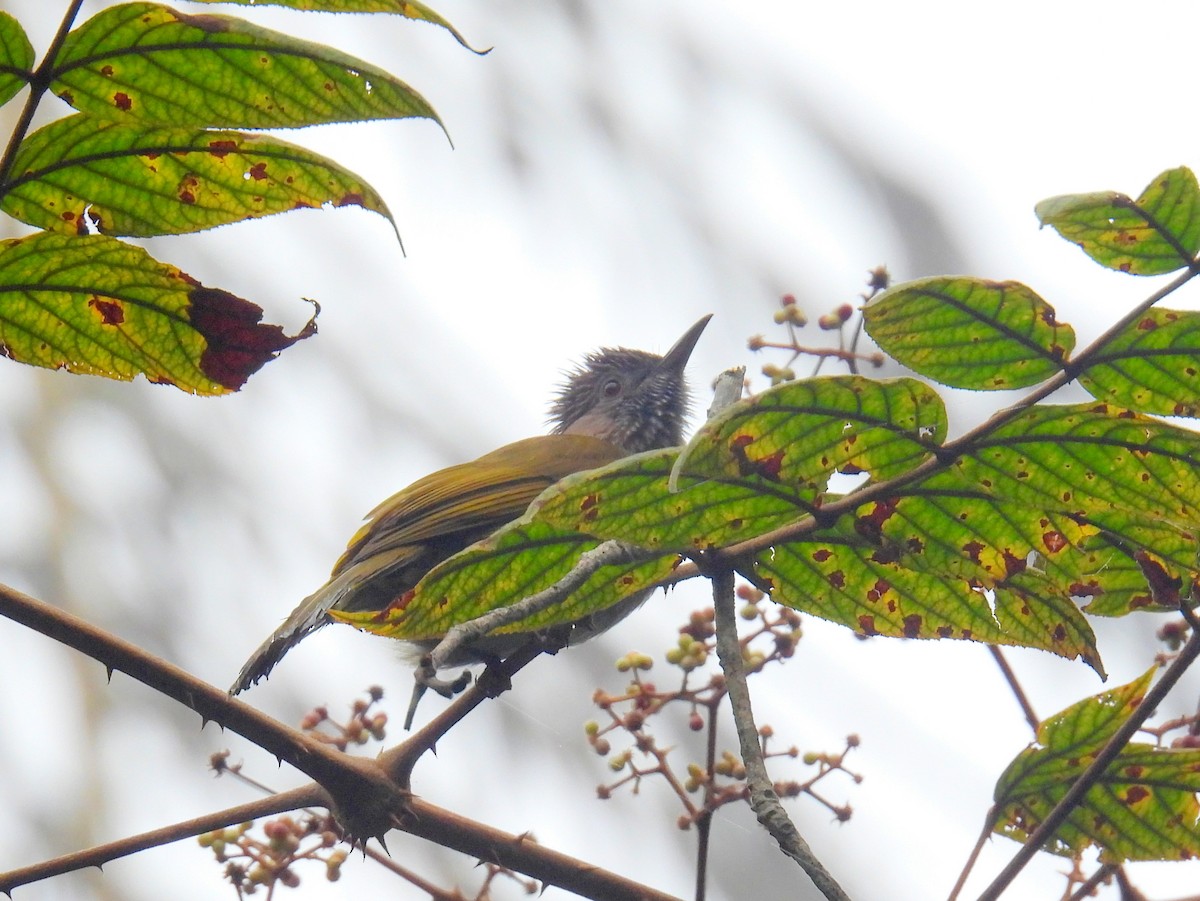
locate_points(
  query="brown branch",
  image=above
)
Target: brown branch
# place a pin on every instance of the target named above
(1010, 677)
(763, 799)
(522, 853)
(39, 83)
(309, 795)
(359, 787)
(417, 817)
(399, 761)
(366, 800)
(1087, 889)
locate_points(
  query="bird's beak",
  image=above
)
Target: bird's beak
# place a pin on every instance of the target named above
(676, 358)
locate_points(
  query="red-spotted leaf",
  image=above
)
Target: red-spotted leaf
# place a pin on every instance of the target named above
(410, 9)
(16, 57)
(763, 463)
(1153, 366)
(1142, 808)
(1157, 233)
(970, 333)
(143, 182)
(142, 62)
(1060, 505)
(94, 305)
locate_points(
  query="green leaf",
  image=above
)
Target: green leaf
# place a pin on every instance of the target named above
(1143, 807)
(1153, 366)
(970, 333)
(763, 463)
(517, 561)
(92, 304)
(16, 57)
(407, 8)
(147, 63)
(143, 182)
(1157, 233)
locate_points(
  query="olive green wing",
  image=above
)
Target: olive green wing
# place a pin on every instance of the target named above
(424, 524)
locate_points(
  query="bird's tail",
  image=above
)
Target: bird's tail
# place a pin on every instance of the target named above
(309, 616)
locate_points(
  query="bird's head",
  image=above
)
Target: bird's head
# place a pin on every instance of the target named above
(633, 399)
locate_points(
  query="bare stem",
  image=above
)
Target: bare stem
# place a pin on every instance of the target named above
(309, 795)
(39, 83)
(1015, 686)
(763, 799)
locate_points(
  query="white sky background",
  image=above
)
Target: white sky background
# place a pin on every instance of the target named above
(618, 171)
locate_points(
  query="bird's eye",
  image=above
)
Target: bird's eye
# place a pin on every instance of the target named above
(612, 388)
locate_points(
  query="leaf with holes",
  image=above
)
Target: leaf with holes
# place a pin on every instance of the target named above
(146, 63)
(1157, 233)
(517, 561)
(94, 305)
(1075, 485)
(143, 182)
(1061, 503)
(1142, 808)
(969, 332)
(410, 9)
(16, 57)
(1153, 366)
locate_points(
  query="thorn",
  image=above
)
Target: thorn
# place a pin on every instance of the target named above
(109, 670)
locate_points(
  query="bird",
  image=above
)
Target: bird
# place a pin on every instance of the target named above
(617, 403)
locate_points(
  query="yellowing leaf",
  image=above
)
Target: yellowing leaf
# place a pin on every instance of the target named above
(94, 305)
(763, 463)
(16, 57)
(1143, 807)
(519, 560)
(1153, 366)
(142, 62)
(410, 9)
(1157, 233)
(142, 182)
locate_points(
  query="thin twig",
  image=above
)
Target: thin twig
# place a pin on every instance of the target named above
(1018, 692)
(1093, 882)
(763, 799)
(400, 760)
(310, 795)
(39, 83)
(704, 822)
(984, 834)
